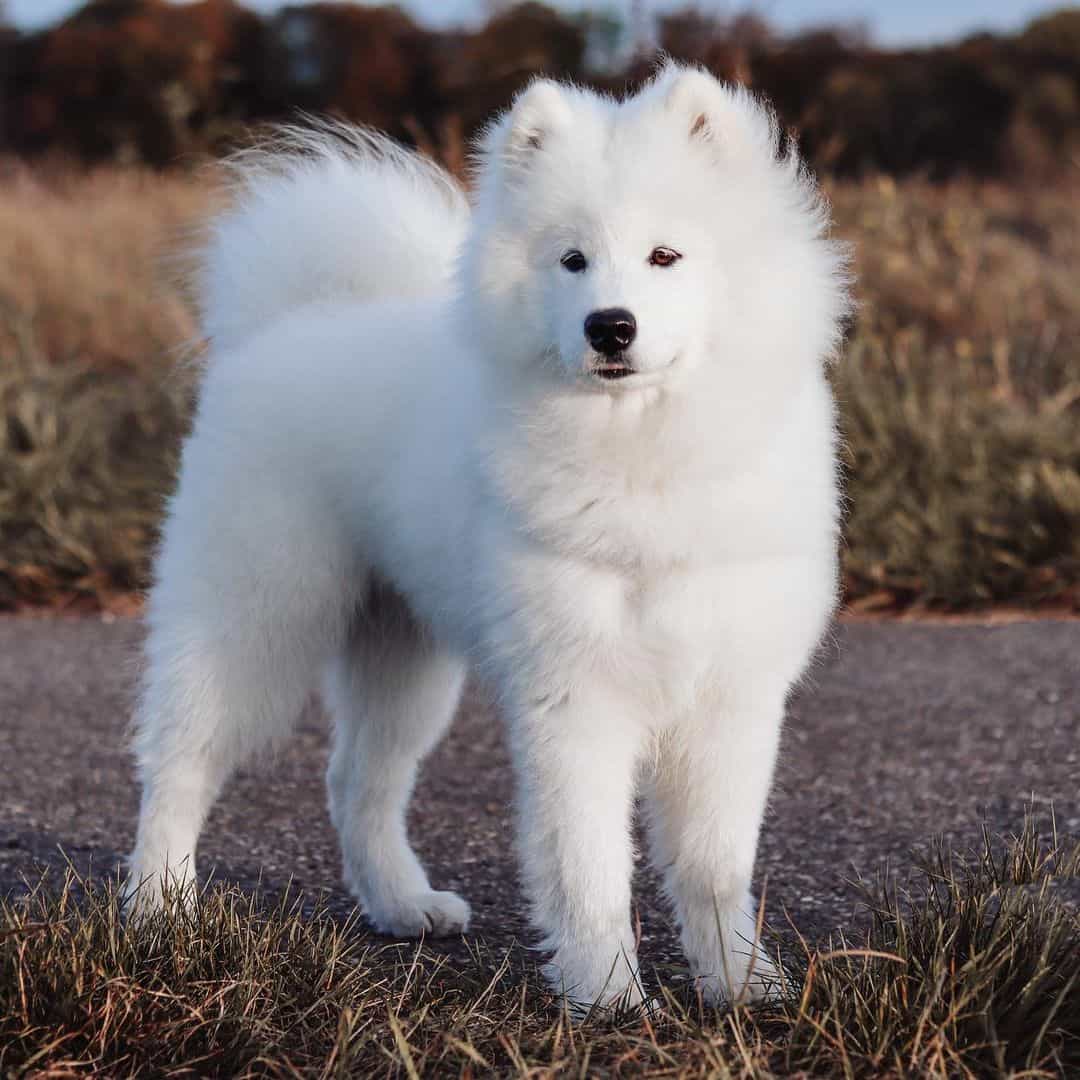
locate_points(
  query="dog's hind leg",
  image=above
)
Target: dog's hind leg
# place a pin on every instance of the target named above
(243, 616)
(392, 693)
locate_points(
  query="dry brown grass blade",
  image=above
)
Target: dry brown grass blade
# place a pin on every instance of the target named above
(969, 970)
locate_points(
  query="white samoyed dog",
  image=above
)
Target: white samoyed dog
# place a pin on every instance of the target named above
(577, 436)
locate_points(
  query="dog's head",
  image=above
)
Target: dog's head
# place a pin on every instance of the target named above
(619, 245)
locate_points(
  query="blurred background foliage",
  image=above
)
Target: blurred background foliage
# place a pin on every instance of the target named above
(153, 82)
(954, 173)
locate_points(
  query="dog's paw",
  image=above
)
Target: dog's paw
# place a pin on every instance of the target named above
(144, 893)
(430, 913)
(609, 1003)
(747, 980)
(605, 983)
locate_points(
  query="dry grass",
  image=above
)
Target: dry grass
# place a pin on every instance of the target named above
(94, 391)
(960, 394)
(960, 387)
(969, 971)
(84, 274)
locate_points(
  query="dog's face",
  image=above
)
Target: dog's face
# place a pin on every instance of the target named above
(621, 282)
(623, 245)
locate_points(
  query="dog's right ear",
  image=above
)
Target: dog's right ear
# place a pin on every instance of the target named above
(540, 110)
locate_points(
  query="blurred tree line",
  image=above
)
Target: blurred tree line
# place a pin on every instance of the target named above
(149, 81)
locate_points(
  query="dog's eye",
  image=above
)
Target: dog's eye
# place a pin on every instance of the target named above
(574, 261)
(663, 256)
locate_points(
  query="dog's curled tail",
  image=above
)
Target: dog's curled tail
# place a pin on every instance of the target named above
(326, 210)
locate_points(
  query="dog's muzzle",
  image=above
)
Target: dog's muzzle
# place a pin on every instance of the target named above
(612, 367)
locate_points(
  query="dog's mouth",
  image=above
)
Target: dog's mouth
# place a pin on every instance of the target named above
(612, 368)
(613, 371)
(619, 373)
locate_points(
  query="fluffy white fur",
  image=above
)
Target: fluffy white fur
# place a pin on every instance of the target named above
(401, 466)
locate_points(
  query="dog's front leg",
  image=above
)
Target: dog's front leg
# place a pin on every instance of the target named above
(576, 761)
(704, 804)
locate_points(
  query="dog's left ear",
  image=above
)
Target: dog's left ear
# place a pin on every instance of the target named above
(696, 99)
(724, 117)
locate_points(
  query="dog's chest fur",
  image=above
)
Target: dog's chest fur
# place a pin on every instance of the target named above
(607, 561)
(625, 485)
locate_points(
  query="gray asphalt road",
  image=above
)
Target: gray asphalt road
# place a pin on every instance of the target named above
(904, 731)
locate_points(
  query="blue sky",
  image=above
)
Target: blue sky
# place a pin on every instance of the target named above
(890, 21)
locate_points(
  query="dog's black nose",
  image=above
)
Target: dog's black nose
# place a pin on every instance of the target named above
(611, 330)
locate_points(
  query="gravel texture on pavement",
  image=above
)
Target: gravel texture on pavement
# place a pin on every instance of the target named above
(903, 731)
